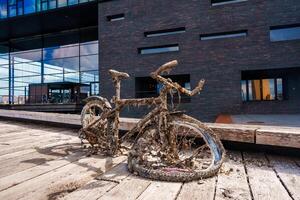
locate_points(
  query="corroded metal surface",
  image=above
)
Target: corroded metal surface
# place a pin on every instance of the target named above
(167, 145)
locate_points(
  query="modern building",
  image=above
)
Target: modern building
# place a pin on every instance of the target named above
(57, 52)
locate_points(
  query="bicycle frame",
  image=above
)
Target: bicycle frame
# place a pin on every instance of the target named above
(161, 110)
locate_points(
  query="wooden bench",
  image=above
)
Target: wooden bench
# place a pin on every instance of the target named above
(255, 134)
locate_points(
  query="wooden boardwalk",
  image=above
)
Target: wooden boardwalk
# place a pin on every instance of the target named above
(40, 162)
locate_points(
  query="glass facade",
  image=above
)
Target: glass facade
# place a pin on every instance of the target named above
(12, 8)
(38, 67)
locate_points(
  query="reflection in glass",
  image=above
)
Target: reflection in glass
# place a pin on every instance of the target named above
(62, 3)
(88, 63)
(244, 90)
(279, 89)
(51, 65)
(159, 49)
(61, 52)
(72, 2)
(89, 48)
(264, 89)
(71, 77)
(89, 76)
(268, 89)
(44, 5)
(282, 34)
(20, 7)
(3, 9)
(12, 11)
(52, 4)
(29, 6)
(254, 90)
(66, 63)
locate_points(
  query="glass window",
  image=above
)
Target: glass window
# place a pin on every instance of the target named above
(4, 59)
(27, 56)
(61, 52)
(3, 9)
(52, 78)
(89, 76)
(244, 90)
(72, 2)
(29, 6)
(62, 3)
(44, 5)
(72, 77)
(32, 66)
(268, 89)
(254, 90)
(88, 63)
(262, 89)
(159, 49)
(12, 11)
(52, 4)
(147, 87)
(165, 32)
(222, 2)
(223, 35)
(69, 64)
(117, 17)
(89, 48)
(20, 7)
(285, 33)
(279, 89)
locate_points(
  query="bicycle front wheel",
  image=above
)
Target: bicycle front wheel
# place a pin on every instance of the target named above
(195, 152)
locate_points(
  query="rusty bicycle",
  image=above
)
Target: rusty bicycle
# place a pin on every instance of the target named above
(167, 144)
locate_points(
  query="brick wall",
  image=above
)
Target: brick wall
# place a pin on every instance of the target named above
(220, 61)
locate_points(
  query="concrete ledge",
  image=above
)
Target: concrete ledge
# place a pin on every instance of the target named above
(253, 134)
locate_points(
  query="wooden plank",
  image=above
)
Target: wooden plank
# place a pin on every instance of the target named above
(232, 181)
(98, 187)
(31, 133)
(130, 188)
(263, 180)
(36, 142)
(30, 160)
(279, 136)
(12, 155)
(161, 190)
(268, 135)
(234, 132)
(198, 190)
(63, 179)
(288, 172)
(22, 176)
(42, 116)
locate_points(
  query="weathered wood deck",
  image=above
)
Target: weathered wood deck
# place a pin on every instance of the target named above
(253, 134)
(40, 162)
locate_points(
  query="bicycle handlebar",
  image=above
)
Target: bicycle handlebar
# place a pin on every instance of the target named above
(167, 68)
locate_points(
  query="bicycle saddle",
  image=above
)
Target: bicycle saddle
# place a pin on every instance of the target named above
(118, 75)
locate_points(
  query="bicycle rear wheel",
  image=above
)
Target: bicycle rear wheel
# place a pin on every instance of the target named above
(198, 152)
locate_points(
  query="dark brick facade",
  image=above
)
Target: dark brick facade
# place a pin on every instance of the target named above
(220, 61)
